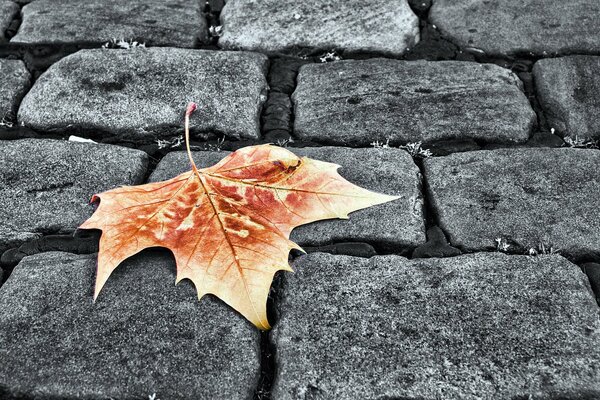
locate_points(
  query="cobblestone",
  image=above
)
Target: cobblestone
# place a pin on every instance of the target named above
(46, 185)
(14, 82)
(520, 27)
(461, 81)
(568, 90)
(175, 23)
(141, 94)
(470, 327)
(8, 10)
(290, 26)
(142, 336)
(359, 102)
(395, 226)
(527, 197)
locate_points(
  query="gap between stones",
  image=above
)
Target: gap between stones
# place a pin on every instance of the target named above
(212, 11)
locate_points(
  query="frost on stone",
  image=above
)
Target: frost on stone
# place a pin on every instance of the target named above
(502, 245)
(416, 150)
(580, 143)
(381, 145)
(284, 142)
(216, 31)
(330, 56)
(5, 122)
(122, 44)
(169, 143)
(543, 249)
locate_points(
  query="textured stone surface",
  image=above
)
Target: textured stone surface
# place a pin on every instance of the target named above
(358, 102)
(46, 185)
(14, 82)
(142, 93)
(397, 225)
(526, 196)
(8, 10)
(143, 335)
(568, 88)
(286, 25)
(520, 26)
(436, 246)
(176, 23)
(479, 326)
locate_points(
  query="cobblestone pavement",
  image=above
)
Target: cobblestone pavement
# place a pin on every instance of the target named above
(482, 281)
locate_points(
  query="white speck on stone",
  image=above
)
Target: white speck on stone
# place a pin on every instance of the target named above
(297, 16)
(73, 138)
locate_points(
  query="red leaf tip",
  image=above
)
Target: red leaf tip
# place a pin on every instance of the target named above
(191, 107)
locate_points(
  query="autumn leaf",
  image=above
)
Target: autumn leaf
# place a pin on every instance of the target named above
(228, 226)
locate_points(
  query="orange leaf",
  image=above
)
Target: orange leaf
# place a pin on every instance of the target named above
(228, 226)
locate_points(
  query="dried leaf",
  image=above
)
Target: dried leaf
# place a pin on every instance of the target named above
(228, 226)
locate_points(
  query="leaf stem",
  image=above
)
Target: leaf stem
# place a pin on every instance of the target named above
(190, 109)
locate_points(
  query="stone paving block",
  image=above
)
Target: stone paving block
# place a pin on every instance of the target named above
(46, 185)
(142, 94)
(520, 27)
(291, 26)
(527, 196)
(568, 88)
(358, 102)
(477, 326)
(396, 226)
(176, 23)
(8, 11)
(14, 82)
(143, 335)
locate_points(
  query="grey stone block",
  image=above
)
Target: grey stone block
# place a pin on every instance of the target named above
(46, 185)
(8, 11)
(142, 336)
(358, 102)
(396, 226)
(142, 94)
(290, 26)
(519, 27)
(526, 196)
(14, 82)
(478, 326)
(568, 88)
(175, 23)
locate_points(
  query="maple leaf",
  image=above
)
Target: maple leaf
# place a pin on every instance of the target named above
(228, 225)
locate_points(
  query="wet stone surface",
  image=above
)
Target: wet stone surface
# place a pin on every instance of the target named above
(354, 26)
(14, 82)
(396, 226)
(142, 336)
(568, 90)
(175, 23)
(527, 197)
(470, 327)
(520, 27)
(359, 102)
(142, 94)
(46, 185)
